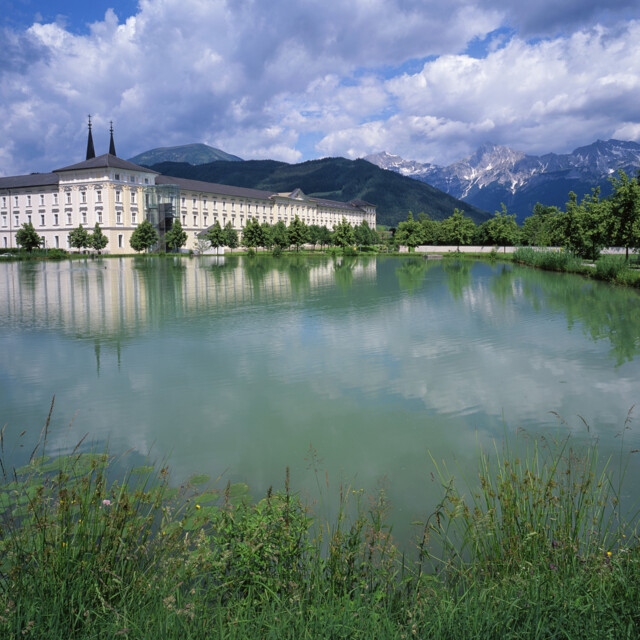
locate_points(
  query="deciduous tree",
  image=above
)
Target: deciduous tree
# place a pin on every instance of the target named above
(79, 238)
(97, 240)
(143, 237)
(27, 238)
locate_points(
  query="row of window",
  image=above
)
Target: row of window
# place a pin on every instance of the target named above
(68, 218)
(67, 194)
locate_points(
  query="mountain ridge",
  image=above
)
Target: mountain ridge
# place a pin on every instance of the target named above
(194, 153)
(494, 174)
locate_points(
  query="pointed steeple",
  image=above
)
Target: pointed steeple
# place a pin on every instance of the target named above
(112, 146)
(91, 152)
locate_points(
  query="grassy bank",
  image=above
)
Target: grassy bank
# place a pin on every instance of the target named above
(536, 545)
(610, 268)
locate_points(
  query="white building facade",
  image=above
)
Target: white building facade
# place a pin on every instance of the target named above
(119, 195)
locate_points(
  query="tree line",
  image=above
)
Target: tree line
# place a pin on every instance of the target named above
(584, 228)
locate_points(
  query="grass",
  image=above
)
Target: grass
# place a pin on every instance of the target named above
(535, 545)
(611, 268)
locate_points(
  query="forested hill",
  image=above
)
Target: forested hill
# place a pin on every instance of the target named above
(335, 179)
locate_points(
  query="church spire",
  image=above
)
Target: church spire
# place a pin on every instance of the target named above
(91, 152)
(112, 146)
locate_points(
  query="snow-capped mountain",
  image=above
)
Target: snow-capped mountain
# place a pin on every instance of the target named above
(495, 174)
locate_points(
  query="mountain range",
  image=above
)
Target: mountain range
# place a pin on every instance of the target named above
(334, 179)
(497, 174)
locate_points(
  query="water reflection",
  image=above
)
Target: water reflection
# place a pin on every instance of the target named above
(603, 312)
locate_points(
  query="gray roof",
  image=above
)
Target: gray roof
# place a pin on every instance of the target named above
(211, 187)
(361, 203)
(103, 161)
(32, 180)
(335, 204)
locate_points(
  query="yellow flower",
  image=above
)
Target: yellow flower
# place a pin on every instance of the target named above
(609, 553)
(197, 506)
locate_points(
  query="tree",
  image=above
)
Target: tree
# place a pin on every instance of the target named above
(97, 240)
(503, 229)
(625, 208)
(430, 229)
(215, 236)
(143, 237)
(176, 237)
(298, 233)
(364, 234)
(343, 234)
(252, 234)
(229, 236)
(409, 233)
(457, 229)
(539, 229)
(324, 236)
(27, 237)
(266, 241)
(596, 225)
(79, 238)
(280, 235)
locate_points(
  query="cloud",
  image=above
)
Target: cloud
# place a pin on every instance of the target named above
(258, 80)
(551, 95)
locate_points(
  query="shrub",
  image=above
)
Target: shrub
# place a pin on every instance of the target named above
(610, 267)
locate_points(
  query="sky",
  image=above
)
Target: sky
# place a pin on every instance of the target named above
(298, 80)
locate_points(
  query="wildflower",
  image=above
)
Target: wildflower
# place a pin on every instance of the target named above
(106, 503)
(609, 554)
(198, 506)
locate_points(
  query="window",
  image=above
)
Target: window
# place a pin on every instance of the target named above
(98, 196)
(67, 197)
(204, 204)
(120, 238)
(184, 219)
(118, 196)
(146, 180)
(4, 240)
(194, 203)
(15, 201)
(117, 176)
(84, 217)
(205, 219)
(100, 217)
(17, 220)
(195, 221)
(132, 179)
(4, 202)
(146, 199)
(41, 220)
(55, 220)
(28, 201)
(133, 217)
(42, 199)
(29, 218)
(56, 240)
(68, 217)
(4, 220)
(183, 202)
(133, 197)
(55, 199)
(118, 217)
(83, 197)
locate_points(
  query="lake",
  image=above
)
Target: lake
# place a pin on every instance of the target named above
(348, 371)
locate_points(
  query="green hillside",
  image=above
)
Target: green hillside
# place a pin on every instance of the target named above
(192, 153)
(335, 179)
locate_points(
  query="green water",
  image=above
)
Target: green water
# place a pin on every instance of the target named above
(348, 371)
